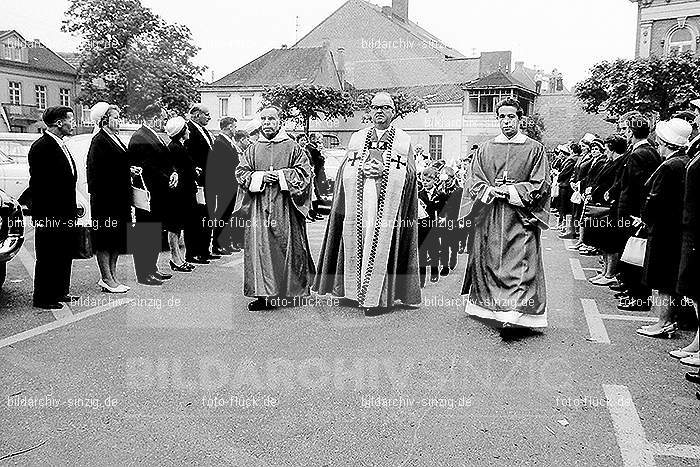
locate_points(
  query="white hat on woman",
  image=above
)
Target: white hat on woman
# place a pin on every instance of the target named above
(175, 126)
(675, 131)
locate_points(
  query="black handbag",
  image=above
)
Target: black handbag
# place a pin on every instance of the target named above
(84, 248)
(596, 210)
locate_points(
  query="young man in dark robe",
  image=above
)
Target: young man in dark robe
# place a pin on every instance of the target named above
(370, 251)
(274, 177)
(507, 198)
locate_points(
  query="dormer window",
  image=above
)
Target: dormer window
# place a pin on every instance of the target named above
(12, 49)
(681, 40)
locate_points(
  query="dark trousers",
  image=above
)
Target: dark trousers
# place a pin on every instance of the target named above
(227, 231)
(54, 259)
(144, 242)
(198, 232)
(632, 278)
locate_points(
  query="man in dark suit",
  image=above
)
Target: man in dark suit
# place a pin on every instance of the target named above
(148, 151)
(640, 162)
(199, 231)
(689, 268)
(221, 180)
(52, 179)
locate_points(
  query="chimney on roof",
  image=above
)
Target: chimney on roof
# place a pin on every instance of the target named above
(341, 66)
(400, 9)
(284, 46)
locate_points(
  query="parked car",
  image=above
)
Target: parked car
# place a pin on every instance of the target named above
(14, 176)
(333, 159)
(11, 231)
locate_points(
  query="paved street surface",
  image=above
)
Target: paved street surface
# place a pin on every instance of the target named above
(185, 374)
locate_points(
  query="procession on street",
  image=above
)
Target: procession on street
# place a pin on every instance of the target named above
(364, 248)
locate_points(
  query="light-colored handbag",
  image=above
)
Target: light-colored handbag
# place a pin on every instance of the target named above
(141, 197)
(555, 190)
(576, 198)
(635, 250)
(200, 195)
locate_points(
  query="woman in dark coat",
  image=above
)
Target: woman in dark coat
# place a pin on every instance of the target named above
(600, 231)
(109, 184)
(662, 213)
(566, 209)
(182, 198)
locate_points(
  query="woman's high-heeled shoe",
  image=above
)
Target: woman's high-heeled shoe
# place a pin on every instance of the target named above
(181, 268)
(107, 288)
(667, 331)
(189, 266)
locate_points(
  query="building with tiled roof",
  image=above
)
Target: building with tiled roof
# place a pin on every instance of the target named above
(383, 47)
(367, 48)
(239, 94)
(32, 78)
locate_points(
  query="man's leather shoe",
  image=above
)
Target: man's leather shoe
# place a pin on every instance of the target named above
(197, 260)
(235, 249)
(212, 257)
(260, 304)
(622, 295)
(222, 251)
(48, 306)
(69, 298)
(162, 276)
(693, 377)
(150, 280)
(376, 311)
(618, 287)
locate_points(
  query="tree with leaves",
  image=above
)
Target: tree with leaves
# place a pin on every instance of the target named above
(304, 103)
(533, 126)
(405, 103)
(132, 57)
(656, 85)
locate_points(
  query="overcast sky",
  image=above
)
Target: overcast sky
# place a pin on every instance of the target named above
(570, 35)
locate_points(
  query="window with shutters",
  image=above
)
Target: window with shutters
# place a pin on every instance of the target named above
(64, 95)
(223, 107)
(40, 96)
(15, 93)
(435, 147)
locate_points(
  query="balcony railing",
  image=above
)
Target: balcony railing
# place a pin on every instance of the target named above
(22, 112)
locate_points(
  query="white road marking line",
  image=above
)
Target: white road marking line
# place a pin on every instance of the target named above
(644, 319)
(232, 264)
(577, 270)
(28, 261)
(629, 431)
(635, 448)
(591, 269)
(685, 451)
(569, 244)
(22, 336)
(595, 323)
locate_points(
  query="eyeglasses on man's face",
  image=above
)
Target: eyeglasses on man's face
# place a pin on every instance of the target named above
(383, 108)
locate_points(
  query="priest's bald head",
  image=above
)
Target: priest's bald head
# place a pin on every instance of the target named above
(271, 121)
(382, 110)
(509, 113)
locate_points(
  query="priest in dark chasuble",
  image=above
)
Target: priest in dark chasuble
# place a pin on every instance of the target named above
(370, 251)
(274, 198)
(507, 201)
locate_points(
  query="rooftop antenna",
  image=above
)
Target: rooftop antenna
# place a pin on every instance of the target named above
(297, 30)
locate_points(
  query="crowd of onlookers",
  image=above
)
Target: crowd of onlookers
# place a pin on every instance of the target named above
(632, 200)
(143, 194)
